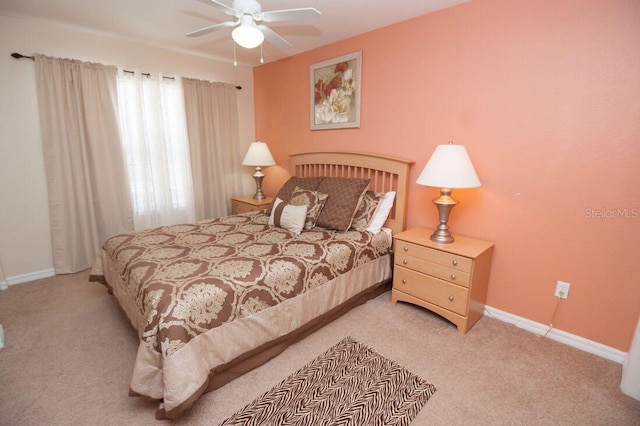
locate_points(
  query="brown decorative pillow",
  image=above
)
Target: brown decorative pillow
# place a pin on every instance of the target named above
(366, 210)
(313, 200)
(310, 183)
(344, 197)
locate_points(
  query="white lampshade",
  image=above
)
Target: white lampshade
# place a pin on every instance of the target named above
(449, 167)
(247, 33)
(258, 155)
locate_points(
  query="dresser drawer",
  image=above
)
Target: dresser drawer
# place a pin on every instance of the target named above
(436, 269)
(443, 258)
(433, 290)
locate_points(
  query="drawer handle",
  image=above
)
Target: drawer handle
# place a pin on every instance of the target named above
(404, 262)
(454, 262)
(451, 298)
(404, 281)
(406, 248)
(453, 276)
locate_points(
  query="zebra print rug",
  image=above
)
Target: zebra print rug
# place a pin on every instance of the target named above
(350, 384)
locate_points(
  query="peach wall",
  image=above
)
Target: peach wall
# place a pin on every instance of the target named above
(545, 95)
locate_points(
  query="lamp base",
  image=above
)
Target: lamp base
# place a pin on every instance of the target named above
(444, 203)
(441, 235)
(258, 176)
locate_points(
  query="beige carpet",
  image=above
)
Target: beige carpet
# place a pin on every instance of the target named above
(69, 352)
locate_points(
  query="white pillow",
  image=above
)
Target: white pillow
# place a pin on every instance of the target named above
(382, 212)
(287, 216)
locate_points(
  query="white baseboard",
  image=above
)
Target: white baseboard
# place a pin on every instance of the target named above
(31, 276)
(573, 340)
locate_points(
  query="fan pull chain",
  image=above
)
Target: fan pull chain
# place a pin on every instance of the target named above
(261, 59)
(235, 62)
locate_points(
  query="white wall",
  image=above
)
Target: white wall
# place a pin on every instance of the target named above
(25, 243)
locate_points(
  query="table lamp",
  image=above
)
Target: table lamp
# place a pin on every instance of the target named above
(449, 167)
(258, 155)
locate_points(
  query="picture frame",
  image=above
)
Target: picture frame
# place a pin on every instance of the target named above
(335, 92)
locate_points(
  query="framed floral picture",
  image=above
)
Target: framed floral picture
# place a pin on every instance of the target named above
(335, 92)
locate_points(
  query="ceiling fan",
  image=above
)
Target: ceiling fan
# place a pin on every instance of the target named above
(248, 31)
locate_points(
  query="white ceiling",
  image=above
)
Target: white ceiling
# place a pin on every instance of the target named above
(165, 22)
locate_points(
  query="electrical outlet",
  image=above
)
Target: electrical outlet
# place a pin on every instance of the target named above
(562, 289)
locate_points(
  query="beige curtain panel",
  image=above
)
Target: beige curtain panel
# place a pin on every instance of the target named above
(86, 176)
(212, 124)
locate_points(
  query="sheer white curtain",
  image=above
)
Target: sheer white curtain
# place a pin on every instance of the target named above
(86, 179)
(212, 121)
(156, 147)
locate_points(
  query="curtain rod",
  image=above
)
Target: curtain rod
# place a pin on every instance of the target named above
(21, 56)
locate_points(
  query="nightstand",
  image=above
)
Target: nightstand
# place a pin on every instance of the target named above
(448, 279)
(249, 204)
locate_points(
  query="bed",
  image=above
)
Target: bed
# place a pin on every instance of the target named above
(214, 299)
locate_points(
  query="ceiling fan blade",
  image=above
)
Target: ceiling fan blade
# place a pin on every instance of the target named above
(274, 38)
(290, 14)
(211, 28)
(227, 9)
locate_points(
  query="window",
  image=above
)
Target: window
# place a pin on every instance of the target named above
(156, 149)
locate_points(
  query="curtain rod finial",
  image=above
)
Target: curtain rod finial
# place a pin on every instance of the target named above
(19, 56)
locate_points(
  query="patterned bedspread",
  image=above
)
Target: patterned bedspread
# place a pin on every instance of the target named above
(188, 279)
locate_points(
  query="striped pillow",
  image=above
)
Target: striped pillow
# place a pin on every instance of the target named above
(287, 216)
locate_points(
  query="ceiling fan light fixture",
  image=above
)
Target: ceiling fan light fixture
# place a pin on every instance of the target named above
(247, 33)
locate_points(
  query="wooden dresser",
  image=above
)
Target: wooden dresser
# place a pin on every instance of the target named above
(249, 204)
(448, 279)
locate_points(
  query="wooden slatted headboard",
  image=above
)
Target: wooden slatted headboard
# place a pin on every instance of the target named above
(385, 173)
